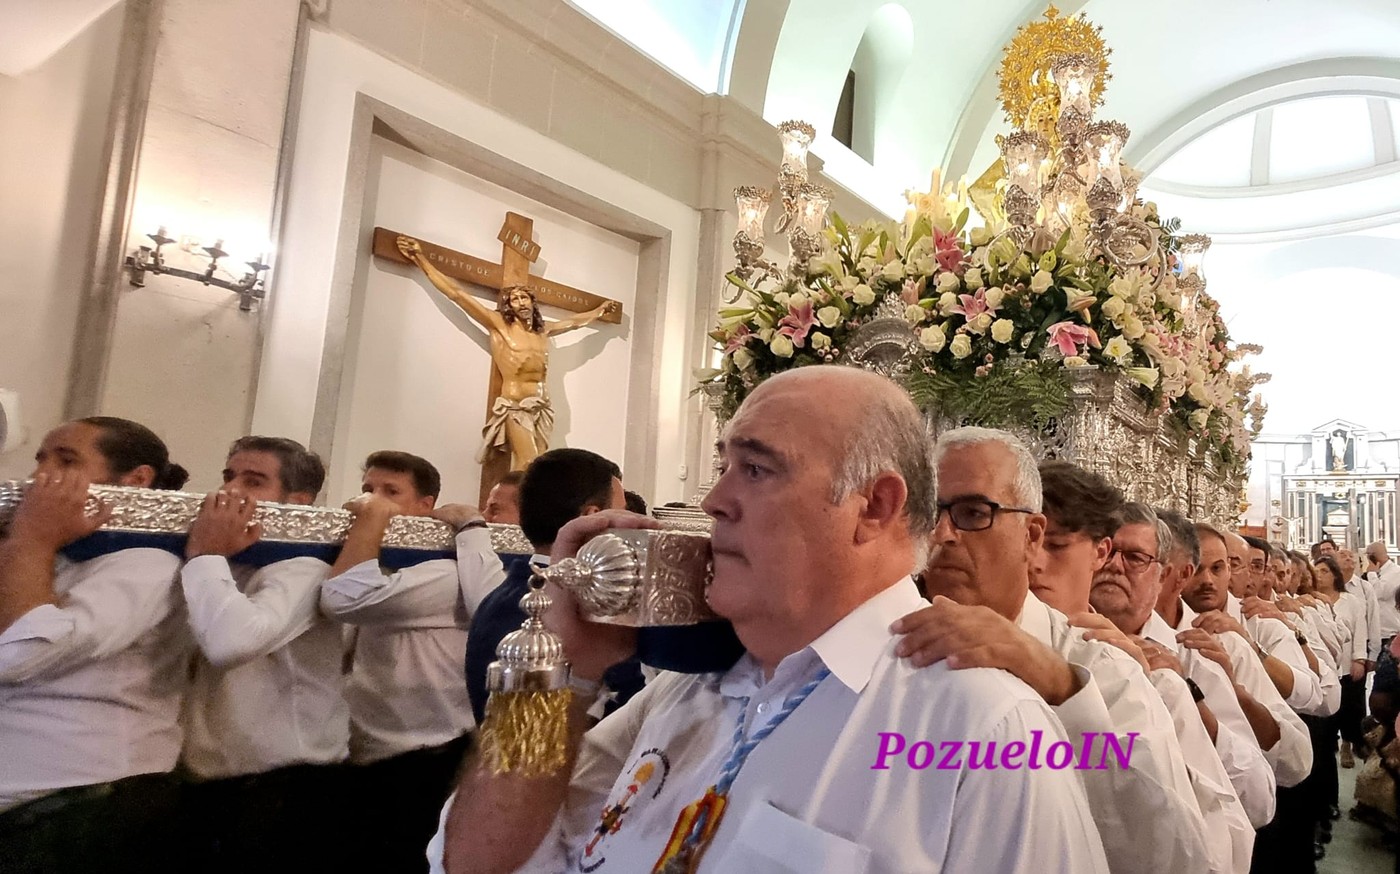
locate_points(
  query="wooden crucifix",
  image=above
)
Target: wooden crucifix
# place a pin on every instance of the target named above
(519, 418)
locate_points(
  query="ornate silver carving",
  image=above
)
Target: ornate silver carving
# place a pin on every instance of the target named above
(1111, 431)
(640, 578)
(883, 344)
(151, 511)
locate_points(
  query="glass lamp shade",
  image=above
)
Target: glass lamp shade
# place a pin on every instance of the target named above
(1074, 76)
(796, 137)
(752, 202)
(1192, 251)
(1024, 154)
(812, 203)
(1104, 141)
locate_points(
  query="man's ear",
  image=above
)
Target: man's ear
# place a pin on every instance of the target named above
(885, 502)
(1102, 550)
(1035, 530)
(141, 476)
(589, 509)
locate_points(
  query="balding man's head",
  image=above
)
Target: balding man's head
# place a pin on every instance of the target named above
(826, 497)
(1377, 553)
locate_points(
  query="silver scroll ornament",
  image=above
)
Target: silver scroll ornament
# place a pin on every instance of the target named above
(154, 511)
(639, 578)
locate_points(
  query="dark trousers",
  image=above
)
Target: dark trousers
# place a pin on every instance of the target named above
(289, 820)
(131, 825)
(1320, 787)
(397, 803)
(1285, 845)
(1352, 711)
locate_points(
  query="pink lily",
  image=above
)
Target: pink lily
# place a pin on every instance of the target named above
(971, 306)
(738, 340)
(797, 323)
(1068, 337)
(947, 250)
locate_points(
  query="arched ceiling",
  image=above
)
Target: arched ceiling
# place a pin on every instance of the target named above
(1181, 72)
(33, 32)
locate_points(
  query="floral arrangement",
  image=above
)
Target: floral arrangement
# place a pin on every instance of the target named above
(998, 327)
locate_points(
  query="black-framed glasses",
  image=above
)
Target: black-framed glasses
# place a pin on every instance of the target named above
(973, 514)
(1133, 561)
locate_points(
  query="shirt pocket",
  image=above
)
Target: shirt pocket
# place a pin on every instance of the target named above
(770, 840)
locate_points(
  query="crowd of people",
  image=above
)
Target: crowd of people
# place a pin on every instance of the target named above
(200, 712)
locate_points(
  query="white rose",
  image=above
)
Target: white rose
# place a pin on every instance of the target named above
(1041, 281)
(980, 236)
(782, 298)
(1001, 330)
(1199, 419)
(863, 296)
(914, 314)
(830, 317)
(973, 278)
(743, 359)
(949, 281)
(961, 347)
(781, 346)
(946, 302)
(849, 282)
(797, 298)
(766, 334)
(1198, 392)
(995, 296)
(1113, 308)
(1076, 361)
(820, 342)
(933, 338)
(980, 324)
(893, 271)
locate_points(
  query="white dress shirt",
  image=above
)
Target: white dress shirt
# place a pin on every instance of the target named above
(1250, 773)
(268, 689)
(90, 687)
(1280, 641)
(1363, 588)
(1350, 611)
(1291, 757)
(1385, 581)
(808, 800)
(408, 687)
(1147, 814)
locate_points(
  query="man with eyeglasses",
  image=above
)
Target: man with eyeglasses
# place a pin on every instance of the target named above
(1125, 591)
(986, 537)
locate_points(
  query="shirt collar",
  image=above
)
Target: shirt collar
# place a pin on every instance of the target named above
(538, 560)
(1157, 630)
(1232, 607)
(1035, 618)
(850, 649)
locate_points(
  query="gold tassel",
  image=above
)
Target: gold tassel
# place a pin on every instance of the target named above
(526, 732)
(526, 729)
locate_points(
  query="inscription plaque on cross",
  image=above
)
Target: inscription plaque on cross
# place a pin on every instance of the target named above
(519, 417)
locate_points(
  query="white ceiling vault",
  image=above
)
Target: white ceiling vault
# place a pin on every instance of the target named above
(1246, 114)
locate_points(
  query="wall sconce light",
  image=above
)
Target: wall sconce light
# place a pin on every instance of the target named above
(147, 259)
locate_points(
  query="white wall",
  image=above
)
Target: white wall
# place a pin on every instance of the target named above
(417, 369)
(54, 119)
(1327, 312)
(337, 70)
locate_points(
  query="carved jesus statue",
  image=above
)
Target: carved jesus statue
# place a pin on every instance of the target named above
(521, 420)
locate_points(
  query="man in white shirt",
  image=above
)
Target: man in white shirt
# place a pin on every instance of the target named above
(410, 717)
(1090, 550)
(93, 662)
(821, 514)
(1385, 579)
(988, 535)
(266, 720)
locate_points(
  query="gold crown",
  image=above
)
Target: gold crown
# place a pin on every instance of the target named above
(1025, 77)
